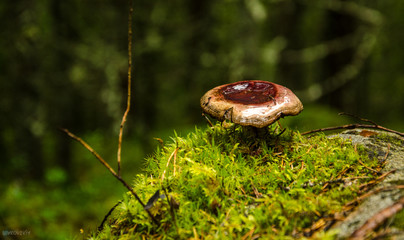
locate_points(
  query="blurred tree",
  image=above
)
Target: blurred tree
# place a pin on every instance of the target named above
(339, 25)
(47, 59)
(64, 64)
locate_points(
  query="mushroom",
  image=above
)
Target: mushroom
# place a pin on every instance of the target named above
(253, 103)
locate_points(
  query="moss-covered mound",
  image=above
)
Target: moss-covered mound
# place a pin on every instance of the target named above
(237, 183)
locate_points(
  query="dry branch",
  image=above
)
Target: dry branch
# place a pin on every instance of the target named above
(89, 148)
(173, 154)
(129, 85)
(377, 219)
(375, 191)
(353, 126)
(372, 125)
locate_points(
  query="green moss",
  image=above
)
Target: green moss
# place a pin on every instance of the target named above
(398, 220)
(393, 140)
(230, 183)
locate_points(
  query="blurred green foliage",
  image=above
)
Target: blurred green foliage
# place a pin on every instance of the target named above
(64, 64)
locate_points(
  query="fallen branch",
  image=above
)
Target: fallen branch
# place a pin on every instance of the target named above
(377, 219)
(368, 194)
(111, 170)
(353, 126)
(327, 221)
(372, 125)
(89, 148)
(357, 117)
(364, 187)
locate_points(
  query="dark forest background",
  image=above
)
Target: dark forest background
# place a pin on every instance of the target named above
(64, 64)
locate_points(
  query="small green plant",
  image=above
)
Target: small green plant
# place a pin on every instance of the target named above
(223, 183)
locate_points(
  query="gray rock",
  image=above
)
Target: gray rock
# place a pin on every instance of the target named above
(387, 148)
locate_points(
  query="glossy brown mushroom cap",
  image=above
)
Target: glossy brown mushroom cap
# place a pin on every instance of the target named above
(251, 103)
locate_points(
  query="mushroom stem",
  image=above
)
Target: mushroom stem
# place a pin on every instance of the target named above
(256, 132)
(262, 132)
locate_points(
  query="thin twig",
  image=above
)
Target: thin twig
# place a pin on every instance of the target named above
(387, 152)
(375, 191)
(377, 180)
(170, 201)
(101, 227)
(89, 148)
(173, 154)
(369, 168)
(129, 85)
(208, 120)
(353, 126)
(175, 159)
(357, 117)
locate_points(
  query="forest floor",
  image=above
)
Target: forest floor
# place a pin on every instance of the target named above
(234, 182)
